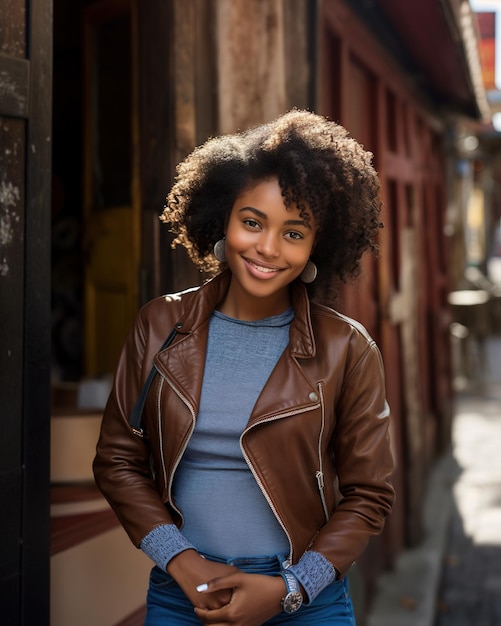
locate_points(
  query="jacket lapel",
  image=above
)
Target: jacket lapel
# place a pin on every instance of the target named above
(286, 392)
(183, 363)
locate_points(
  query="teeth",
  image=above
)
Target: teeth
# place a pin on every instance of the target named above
(265, 270)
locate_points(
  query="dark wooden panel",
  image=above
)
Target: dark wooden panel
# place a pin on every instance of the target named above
(13, 28)
(10, 525)
(13, 102)
(155, 139)
(12, 140)
(9, 599)
(35, 592)
(14, 75)
(155, 104)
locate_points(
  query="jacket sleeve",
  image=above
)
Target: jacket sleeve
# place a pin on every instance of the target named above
(363, 461)
(122, 462)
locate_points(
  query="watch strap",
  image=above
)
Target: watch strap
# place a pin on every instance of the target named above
(293, 599)
(291, 582)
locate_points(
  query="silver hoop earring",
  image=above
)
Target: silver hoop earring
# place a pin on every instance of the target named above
(309, 272)
(220, 250)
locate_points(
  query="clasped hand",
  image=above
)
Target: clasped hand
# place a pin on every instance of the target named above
(254, 599)
(227, 596)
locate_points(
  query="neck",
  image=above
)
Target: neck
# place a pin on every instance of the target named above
(243, 307)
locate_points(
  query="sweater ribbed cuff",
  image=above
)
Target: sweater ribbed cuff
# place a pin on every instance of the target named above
(163, 543)
(314, 572)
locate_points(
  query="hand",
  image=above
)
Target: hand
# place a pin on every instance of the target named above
(189, 570)
(255, 599)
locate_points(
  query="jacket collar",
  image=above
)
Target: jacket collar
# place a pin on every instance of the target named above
(201, 302)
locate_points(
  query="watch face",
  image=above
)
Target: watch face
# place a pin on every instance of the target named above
(292, 602)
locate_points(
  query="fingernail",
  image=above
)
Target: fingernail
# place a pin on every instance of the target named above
(203, 587)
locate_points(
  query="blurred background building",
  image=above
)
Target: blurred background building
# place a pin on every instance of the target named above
(98, 102)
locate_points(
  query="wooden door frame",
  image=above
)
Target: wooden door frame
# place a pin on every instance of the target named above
(25, 475)
(35, 563)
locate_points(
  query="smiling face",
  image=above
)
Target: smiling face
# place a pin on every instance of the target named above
(267, 247)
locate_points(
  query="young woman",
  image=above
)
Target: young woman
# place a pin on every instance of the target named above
(262, 463)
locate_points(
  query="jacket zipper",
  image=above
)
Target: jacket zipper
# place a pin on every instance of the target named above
(258, 480)
(160, 437)
(320, 472)
(181, 452)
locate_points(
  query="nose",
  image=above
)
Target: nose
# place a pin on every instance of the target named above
(267, 245)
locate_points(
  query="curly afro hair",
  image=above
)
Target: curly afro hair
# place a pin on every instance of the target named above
(318, 166)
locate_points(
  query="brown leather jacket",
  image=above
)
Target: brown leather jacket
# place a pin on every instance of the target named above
(317, 440)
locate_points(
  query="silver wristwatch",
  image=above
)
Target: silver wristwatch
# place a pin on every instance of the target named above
(293, 599)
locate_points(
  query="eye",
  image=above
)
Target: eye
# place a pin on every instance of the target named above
(251, 223)
(294, 235)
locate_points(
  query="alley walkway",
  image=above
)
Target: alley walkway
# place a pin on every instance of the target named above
(471, 583)
(454, 577)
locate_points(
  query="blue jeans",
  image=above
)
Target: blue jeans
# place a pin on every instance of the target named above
(167, 605)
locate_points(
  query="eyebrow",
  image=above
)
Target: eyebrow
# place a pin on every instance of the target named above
(265, 217)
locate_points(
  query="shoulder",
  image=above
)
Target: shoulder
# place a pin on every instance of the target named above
(165, 311)
(345, 338)
(174, 301)
(328, 320)
(169, 300)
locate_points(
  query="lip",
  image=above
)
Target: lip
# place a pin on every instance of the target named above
(262, 270)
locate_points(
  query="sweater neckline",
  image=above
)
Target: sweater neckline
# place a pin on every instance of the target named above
(274, 321)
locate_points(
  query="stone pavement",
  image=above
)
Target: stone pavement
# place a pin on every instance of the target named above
(471, 589)
(453, 578)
